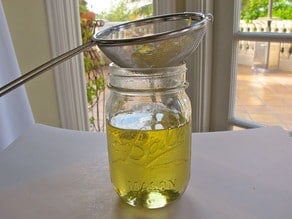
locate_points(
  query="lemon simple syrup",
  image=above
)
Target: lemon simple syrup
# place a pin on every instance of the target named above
(149, 168)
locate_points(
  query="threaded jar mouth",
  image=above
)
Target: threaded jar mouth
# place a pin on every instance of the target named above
(145, 79)
(116, 70)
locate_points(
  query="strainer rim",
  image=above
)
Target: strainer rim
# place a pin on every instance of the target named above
(202, 20)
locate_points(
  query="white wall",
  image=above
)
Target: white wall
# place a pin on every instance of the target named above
(28, 27)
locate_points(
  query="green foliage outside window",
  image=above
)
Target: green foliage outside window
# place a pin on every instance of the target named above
(122, 11)
(93, 63)
(254, 9)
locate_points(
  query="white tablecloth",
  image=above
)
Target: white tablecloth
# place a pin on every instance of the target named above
(55, 173)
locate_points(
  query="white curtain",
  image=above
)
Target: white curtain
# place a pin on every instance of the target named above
(15, 112)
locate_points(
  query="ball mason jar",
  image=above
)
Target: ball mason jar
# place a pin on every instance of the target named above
(148, 120)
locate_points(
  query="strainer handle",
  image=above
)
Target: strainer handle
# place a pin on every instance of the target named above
(43, 68)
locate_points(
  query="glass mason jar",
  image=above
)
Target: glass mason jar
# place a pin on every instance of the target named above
(148, 116)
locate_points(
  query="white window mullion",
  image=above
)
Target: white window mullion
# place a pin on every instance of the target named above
(164, 6)
(199, 71)
(65, 34)
(221, 64)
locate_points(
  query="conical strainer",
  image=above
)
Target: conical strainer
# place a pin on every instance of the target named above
(159, 41)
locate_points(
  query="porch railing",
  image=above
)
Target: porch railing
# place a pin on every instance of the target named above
(281, 52)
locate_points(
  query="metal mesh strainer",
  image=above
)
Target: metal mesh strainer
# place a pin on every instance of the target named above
(159, 41)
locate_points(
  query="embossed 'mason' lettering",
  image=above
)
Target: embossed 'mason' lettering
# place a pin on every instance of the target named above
(152, 185)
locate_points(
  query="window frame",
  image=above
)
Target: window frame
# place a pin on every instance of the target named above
(198, 64)
(246, 36)
(65, 34)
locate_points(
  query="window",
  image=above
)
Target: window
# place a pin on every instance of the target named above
(106, 14)
(263, 87)
(228, 41)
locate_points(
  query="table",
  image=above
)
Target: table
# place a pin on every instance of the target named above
(55, 173)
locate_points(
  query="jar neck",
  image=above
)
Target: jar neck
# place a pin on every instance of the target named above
(143, 79)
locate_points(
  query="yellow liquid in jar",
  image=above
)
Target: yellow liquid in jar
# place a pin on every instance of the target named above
(149, 168)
